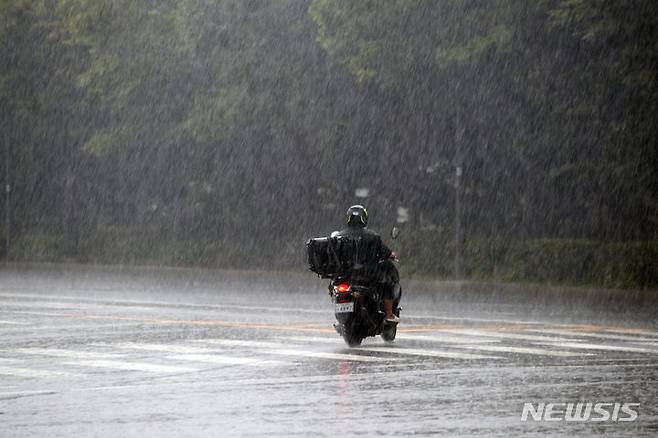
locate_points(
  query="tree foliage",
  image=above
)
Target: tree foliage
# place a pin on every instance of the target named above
(252, 123)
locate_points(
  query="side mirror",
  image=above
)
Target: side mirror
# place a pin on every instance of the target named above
(395, 232)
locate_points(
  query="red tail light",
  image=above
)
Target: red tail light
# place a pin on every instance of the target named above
(342, 287)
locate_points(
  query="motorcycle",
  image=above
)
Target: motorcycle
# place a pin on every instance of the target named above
(358, 302)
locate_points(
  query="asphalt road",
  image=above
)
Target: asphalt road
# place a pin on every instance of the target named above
(97, 351)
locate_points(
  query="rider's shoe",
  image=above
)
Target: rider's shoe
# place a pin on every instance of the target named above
(393, 320)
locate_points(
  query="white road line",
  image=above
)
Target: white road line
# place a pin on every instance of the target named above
(646, 344)
(5, 322)
(325, 355)
(423, 352)
(73, 299)
(240, 343)
(33, 373)
(115, 387)
(110, 301)
(584, 346)
(595, 335)
(501, 335)
(68, 300)
(226, 360)
(16, 394)
(640, 332)
(446, 338)
(487, 320)
(52, 328)
(614, 365)
(522, 350)
(132, 366)
(366, 376)
(56, 305)
(26, 312)
(279, 348)
(167, 348)
(56, 352)
(314, 339)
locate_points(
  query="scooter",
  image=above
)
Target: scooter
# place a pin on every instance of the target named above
(358, 303)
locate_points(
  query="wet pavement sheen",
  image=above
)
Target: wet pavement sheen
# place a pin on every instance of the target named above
(94, 351)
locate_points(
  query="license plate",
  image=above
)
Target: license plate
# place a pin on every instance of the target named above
(345, 307)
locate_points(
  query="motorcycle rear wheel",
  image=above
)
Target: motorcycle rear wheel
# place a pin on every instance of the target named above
(352, 339)
(389, 331)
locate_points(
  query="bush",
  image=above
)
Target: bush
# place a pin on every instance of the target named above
(424, 253)
(561, 261)
(37, 247)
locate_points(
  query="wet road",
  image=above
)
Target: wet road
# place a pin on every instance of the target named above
(115, 352)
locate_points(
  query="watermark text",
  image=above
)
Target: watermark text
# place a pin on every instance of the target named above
(581, 411)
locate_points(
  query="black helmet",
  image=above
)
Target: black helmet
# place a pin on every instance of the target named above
(357, 216)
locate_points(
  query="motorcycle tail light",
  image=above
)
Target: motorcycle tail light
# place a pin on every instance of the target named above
(342, 287)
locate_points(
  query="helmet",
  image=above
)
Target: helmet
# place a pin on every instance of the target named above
(357, 216)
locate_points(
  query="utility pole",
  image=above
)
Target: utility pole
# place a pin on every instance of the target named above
(7, 200)
(459, 160)
(458, 223)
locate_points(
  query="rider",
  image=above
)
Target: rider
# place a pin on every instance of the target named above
(385, 273)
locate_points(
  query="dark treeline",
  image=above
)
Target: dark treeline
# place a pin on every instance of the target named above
(148, 127)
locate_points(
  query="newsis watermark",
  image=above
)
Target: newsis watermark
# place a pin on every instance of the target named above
(581, 412)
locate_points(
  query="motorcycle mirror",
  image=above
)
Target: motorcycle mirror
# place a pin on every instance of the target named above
(395, 232)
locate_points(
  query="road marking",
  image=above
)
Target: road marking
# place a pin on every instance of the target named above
(501, 335)
(26, 312)
(167, 348)
(132, 366)
(65, 328)
(241, 343)
(119, 387)
(5, 322)
(48, 305)
(429, 353)
(63, 299)
(332, 356)
(52, 301)
(321, 328)
(226, 360)
(581, 345)
(33, 373)
(56, 352)
(646, 344)
(19, 394)
(641, 332)
(446, 338)
(488, 320)
(597, 335)
(449, 373)
(279, 348)
(523, 350)
(311, 339)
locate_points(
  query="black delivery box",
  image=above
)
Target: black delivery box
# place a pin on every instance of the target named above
(332, 256)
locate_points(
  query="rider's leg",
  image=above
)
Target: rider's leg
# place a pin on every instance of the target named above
(390, 279)
(388, 308)
(388, 304)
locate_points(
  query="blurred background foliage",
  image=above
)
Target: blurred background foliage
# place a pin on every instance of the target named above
(225, 133)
